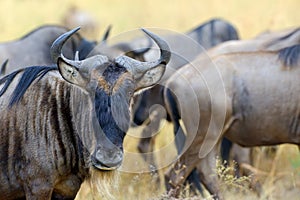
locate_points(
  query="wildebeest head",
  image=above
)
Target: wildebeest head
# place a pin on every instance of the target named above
(111, 85)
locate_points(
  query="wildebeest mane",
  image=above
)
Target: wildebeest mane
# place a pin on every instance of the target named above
(290, 56)
(29, 75)
(276, 40)
(199, 28)
(85, 48)
(230, 30)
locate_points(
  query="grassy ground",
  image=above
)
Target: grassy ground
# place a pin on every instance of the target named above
(279, 173)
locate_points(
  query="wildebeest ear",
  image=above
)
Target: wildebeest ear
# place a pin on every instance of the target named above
(148, 73)
(151, 77)
(71, 73)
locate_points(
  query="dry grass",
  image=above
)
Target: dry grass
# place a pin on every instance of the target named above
(279, 174)
(250, 17)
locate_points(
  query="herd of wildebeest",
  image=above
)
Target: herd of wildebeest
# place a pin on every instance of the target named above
(67, 102)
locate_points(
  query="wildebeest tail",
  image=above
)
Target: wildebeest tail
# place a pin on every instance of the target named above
(173, 111)
(290, 56)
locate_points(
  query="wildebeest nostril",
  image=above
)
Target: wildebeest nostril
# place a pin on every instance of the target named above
(107, 160)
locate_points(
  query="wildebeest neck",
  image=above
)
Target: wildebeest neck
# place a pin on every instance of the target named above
(28, 76)
(289, 56)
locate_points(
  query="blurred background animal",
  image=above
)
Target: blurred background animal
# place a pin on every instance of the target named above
(34, 48)
(76, 16)
(243, 103)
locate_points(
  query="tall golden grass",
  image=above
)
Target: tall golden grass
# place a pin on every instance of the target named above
(279, 174)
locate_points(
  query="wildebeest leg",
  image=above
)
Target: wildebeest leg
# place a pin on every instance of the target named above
(180, 140)
(194, 182)
(242, 155)
(226, 146)
(174, 113)
(207, 173)
(177, 175)
(193, 179)
(146, 144)
(208, 153)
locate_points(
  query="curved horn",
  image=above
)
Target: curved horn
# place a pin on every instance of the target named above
(57, 45)
(3, 67)
(138, 68)
(106, 34)
(165, 52)
(82, 65)
(143, 50)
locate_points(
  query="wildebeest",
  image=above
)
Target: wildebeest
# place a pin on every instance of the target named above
(33, 48)
(272, 40)
(120, 48)
(57, 121)
(184, 47)
(252, 98)
(267, 41)
(77, 17)
(207, 35)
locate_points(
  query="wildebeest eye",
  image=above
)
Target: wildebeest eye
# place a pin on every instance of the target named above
(130, 89)
(129, 94)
